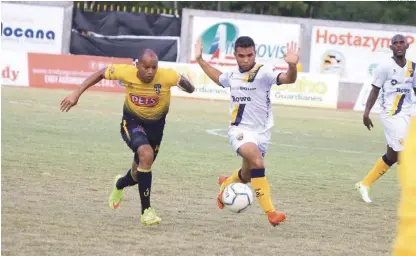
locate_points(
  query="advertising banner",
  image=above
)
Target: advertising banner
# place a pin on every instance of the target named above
(353, 53)
(218, 36)
(69, 71)
(31, 28)
(14, 68)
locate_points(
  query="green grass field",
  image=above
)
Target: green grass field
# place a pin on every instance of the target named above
(58, 169)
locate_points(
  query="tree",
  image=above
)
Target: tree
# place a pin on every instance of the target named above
(375, 12)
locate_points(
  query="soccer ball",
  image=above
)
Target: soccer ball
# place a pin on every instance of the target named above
(237, 197)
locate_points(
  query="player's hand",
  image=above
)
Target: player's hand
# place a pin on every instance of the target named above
(292, 54)
(198, 50)
(367, 122)
(69, 101)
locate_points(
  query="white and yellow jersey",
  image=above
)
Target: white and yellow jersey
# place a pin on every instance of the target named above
(250, 105)
(396, 85)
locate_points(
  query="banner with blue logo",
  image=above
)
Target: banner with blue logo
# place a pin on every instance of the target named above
(218, 36)
(31, 28)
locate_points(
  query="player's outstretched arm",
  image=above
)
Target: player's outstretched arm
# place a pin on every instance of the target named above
(292, 58)
(186, 85)
(71, 100)
(369, 105)
(212, 73)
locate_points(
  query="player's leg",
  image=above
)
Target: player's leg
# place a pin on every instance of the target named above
(382, 165)
(129, 179)
(143, 173)
(237, 176)
(240, 175)
(120, 182)
(259, 182)
(147, 153)
(395, 129)
(236, 138)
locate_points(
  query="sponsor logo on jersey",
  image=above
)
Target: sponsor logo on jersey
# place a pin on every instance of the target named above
(240, 99)
(144, 101)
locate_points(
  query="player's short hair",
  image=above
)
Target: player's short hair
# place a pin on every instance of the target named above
(396, 36)
(244, 42)
(144, 52)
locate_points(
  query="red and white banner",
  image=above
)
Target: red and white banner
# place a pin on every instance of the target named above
(69, 71)
(14, 68)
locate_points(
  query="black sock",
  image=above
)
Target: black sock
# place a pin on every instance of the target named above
(125, 181)
(145, 184)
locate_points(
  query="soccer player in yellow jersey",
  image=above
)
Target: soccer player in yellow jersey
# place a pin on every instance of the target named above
(145, 108)
(406, 234)
(394, 82)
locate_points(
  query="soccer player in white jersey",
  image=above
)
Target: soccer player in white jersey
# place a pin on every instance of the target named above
(249, 132)
(394, 79)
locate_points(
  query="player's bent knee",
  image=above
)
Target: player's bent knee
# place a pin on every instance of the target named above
(145, 156)
(257, 163)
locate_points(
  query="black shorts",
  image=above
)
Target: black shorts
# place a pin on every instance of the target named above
(137, 132)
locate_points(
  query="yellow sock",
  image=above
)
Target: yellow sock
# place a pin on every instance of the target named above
(381, 167)
(406, 232)
(235, 177)
(262, 189)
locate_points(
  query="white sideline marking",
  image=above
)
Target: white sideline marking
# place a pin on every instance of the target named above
(216, 132)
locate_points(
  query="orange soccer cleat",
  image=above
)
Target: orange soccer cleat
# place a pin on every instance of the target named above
(275, 217)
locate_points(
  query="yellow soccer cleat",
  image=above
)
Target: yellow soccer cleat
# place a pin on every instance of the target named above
(149, 217)
(116, 196)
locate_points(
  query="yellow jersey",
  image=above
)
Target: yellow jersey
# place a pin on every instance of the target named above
(147, 101)
(405, 244)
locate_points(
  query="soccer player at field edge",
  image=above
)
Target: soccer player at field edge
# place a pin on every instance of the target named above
(146, 105)
(394, 80)
(406, 233)
(249, 132)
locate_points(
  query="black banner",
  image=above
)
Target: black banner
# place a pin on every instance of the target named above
(126, 23)
(167, 50)
(125, 34)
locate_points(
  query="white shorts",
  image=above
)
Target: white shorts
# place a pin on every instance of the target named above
(238, 136)
(395, 130)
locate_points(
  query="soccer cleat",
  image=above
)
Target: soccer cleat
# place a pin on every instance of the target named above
(363, 191)
(221, 180)
(275, 217)
(116, 195)
(149, 217)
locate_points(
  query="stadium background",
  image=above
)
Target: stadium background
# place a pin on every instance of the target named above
(56, 168)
